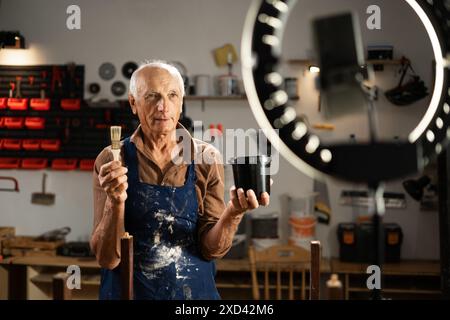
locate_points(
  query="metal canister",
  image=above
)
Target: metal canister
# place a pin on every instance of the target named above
(228, 85)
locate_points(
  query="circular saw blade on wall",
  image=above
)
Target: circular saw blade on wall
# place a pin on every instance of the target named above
(118, 88)
(128, 69)
(107, 71)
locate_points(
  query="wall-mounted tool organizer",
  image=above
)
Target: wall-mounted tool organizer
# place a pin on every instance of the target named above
(44, 121)
(362, 199)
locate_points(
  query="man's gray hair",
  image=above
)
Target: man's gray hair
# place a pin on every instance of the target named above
(161, 64)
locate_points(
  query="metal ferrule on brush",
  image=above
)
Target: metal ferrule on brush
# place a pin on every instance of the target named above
(115, 141)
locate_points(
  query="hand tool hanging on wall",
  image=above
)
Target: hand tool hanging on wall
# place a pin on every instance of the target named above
(71, 79)
(322, 202)
(71, 103)
(43, 198)
(18, 88)
(16, 184)
(56, 79)
(12, 87)
(66, 131)
(2, 100)
(17, 103)
(410, 92)
(42, 103)
(43, 83)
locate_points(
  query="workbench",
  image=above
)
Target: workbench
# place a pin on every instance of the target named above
(412, 279)
(31, 277)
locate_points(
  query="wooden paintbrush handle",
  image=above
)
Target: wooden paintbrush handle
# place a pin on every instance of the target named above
(116, 154)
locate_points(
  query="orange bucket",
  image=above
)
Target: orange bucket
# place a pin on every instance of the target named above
(303, 227)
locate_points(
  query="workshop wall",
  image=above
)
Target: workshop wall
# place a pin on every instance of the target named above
(119, 31)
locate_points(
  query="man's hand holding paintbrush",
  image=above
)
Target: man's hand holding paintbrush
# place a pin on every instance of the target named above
(113, 176)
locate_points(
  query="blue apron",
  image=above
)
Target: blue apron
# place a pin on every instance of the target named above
(163, 223)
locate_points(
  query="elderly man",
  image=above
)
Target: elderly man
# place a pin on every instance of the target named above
(176, 212)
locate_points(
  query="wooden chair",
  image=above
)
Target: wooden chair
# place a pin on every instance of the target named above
(286, 259)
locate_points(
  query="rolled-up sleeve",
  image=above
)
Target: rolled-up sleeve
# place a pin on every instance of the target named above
(214, 206)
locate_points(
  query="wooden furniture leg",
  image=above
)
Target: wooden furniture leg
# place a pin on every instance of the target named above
(60, 289)
(315, 271)
(17, 282)
(126, 266)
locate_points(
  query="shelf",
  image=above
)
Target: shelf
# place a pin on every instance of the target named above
(392, 290)
(215, 98)
(193, 98)
(371, 62)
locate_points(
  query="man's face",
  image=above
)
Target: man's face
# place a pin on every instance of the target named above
(158, 100)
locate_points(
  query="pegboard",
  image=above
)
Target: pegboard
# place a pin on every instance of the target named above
(57, 81)
(57, 137)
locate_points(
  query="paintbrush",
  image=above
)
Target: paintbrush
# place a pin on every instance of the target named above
(115, 142)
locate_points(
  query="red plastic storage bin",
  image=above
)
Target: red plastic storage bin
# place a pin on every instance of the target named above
(50, 144)
(13, 123)
(87, 164)
(12, 144)
(70, 104)
(3, 103)
(35, 123)
(31, 144)
(64, 164)
(9, 163)
(34, 163)
(17, 103)
(40, 104)
(2, 122)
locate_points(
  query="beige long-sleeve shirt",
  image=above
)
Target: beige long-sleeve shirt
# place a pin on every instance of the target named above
(209, 188)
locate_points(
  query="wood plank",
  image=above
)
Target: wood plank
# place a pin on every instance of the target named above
(244, 265)
(404, 267)
(6, 232)
(57, 261)
(31, 253)
(221, 264)
(26, 242)
(397, 290)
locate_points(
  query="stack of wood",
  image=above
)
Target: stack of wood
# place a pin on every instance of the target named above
(25, 246)
(5, 234)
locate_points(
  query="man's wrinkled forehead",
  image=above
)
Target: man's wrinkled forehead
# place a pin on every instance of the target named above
(156, 79)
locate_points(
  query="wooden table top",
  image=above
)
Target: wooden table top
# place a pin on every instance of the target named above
(59, 261)
(404, 267)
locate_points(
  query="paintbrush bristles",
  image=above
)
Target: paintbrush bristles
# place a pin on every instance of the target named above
(116, 132)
